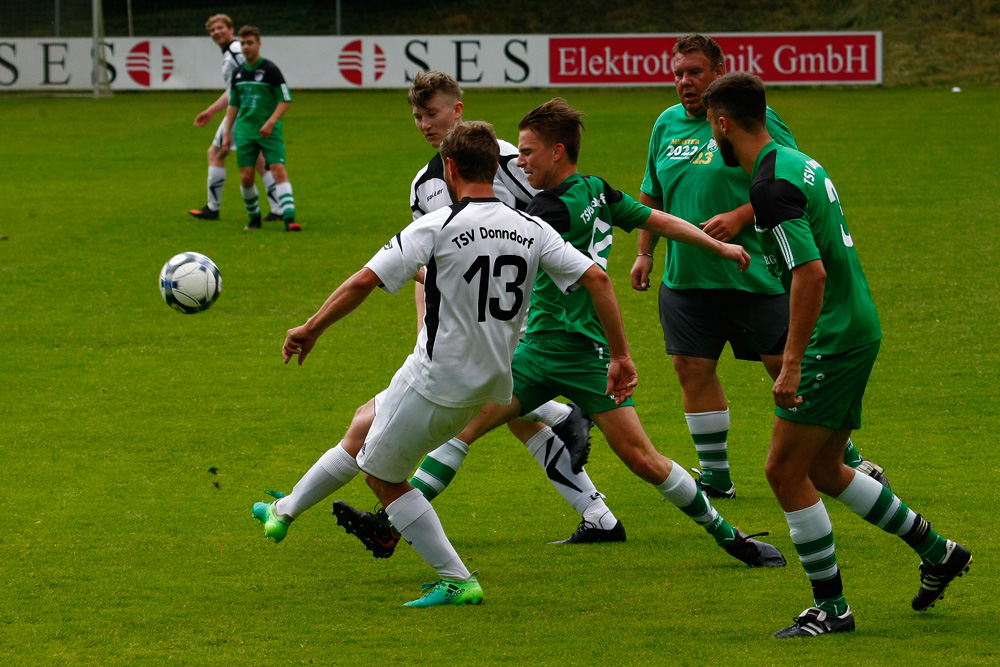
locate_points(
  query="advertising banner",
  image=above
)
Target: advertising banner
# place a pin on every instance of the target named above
(485, 61)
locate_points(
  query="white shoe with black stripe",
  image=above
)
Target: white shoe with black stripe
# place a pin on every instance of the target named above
(814, 621)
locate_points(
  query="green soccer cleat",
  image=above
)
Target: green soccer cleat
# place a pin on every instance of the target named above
(450, 591)
(275, 526)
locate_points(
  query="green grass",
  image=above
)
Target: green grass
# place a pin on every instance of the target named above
(119, 549)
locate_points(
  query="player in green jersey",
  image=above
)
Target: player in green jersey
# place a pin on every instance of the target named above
(703, 301)
(260, 97)
(833, 339)
(565, 352)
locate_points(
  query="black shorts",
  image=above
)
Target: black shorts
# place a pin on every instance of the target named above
(699, 322)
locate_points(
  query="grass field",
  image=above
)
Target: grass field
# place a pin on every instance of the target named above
(121, 548)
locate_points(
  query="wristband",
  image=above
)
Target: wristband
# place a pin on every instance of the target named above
(645, 254)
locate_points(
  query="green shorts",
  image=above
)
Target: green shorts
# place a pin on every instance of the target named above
(832, 387)
(547, 365)
(249, 146)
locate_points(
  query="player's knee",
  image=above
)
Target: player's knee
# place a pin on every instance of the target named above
(692, 371)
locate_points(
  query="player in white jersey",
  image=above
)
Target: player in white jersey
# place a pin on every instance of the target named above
(481, 260)
(220, 29)
(436, 101)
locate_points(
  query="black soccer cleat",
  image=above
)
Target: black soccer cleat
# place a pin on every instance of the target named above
(588, 533)
(204, 213)
(574, 431)
(754, 552)
(933, 580)
(253, 224)
(272, 217)
(875, 471)
(814, 621)
(373, 529)
(291, 225)
(713, 492)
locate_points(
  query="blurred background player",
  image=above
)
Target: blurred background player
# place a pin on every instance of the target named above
(833, 340)
(220, 29)
(259, 94)
(705, 301)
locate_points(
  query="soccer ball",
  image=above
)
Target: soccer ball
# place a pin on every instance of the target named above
(190, 282)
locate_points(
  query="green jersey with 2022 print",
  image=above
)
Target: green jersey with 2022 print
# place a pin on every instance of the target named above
(799, 219)
(685, 171)
(583, 209)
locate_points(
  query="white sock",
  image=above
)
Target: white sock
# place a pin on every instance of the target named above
(333, 470)
(216, 180)
(577, 489)
(412, 515)
(286, 201)
(550, 413)
(272, 197)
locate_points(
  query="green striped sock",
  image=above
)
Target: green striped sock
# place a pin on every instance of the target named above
(439, 467)
(251, 200)
(680, 488)
(812, 535)
(852, 457)
(710, 432)
(881, 507)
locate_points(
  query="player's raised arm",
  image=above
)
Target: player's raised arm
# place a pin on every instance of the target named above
(351, 294)
(672, 227)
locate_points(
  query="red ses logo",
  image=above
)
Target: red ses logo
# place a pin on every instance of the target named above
(142, 66)
(352, 62)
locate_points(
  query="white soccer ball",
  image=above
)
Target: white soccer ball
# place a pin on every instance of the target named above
(190, 282)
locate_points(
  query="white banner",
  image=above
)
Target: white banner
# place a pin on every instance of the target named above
(488, 61)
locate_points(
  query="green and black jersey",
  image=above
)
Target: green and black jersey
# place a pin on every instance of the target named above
(583, 209)
(799, 219)
(257, 90)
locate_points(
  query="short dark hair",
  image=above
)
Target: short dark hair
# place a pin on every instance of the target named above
(473, 147)
(428, 84)
(250, 30)
(740, 97)
(556, 122)
(696, 42)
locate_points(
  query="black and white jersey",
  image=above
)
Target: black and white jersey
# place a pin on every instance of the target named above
(428, 191)
(232, 58)
(482, 258)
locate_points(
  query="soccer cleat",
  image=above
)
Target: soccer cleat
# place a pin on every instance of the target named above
(450, 591)
(814, 621)
(875, 471)
(373, 529)
(933, 580)
(253, 224)
(275, 526)
(754, 552)
(713, 492)
(291, 225)
(588, 533)
(272, 217)
(574, 431)
(204, 213)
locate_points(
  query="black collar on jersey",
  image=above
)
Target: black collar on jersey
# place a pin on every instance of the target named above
(480, 199)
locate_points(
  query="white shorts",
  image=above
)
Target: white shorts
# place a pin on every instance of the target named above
(217, 141)
(406, 427)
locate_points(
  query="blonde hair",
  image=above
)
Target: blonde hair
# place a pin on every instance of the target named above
(216, 18)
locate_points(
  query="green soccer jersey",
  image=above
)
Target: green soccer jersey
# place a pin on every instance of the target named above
(799, 219)
(257, 90)
(583, 209)
(685, 170)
